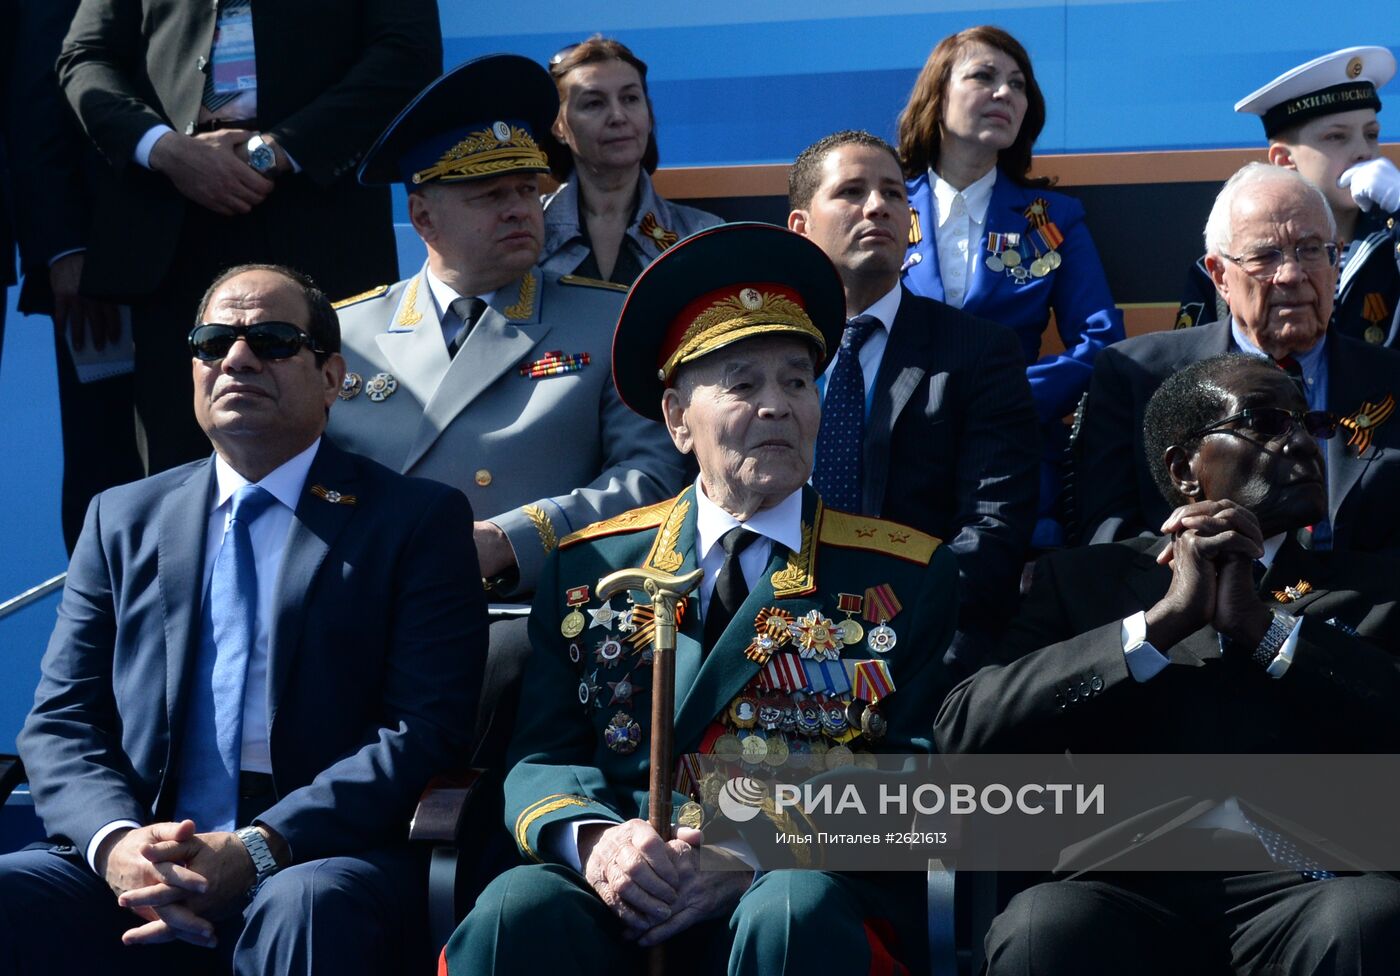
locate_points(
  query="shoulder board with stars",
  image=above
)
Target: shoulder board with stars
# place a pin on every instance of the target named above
(581, 281)
(638, 518)
(362, 296)
(878, 535)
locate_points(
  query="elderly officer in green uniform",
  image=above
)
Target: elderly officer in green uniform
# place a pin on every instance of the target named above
(481, 371)
(814, 634)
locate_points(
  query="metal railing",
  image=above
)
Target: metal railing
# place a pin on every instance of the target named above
(34, 593)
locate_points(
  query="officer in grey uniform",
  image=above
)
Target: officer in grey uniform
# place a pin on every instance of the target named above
(481, 370)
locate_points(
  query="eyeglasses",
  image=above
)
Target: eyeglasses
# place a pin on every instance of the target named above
(1275, 422)
(211, 341)
(558, 56)
(1266, 262)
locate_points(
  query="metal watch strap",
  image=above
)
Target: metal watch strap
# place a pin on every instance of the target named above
(264, 864)
(1279, 628)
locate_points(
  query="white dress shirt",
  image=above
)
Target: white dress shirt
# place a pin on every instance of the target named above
(443, 297)
(873, 352)
(960, 217)
(269, 533)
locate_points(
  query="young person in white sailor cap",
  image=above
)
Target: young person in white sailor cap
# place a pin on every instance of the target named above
(1321, 119)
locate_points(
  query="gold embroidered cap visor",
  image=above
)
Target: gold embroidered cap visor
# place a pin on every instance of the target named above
(477, 121)
(717, 287)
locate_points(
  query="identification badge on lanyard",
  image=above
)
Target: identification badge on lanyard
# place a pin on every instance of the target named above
(235, 64)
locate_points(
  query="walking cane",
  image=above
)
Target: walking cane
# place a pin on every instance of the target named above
(665, 592)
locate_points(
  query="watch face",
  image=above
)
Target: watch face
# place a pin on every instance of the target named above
(262, 158)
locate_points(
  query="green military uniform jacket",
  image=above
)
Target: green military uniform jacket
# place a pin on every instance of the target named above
(563, 769)
(542, 454)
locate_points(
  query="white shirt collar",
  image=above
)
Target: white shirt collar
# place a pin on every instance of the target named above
(1271, 547)
(887, 307)
(977, 196)
(444, 294)
(781, 524)
(285, 482)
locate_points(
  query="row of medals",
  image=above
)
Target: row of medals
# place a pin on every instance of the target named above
(1010, 261)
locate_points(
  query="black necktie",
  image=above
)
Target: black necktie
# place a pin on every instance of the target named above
(841, 439)
(730, 588)
(468, 310)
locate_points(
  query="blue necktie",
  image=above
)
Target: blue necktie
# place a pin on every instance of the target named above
(211, 747)
(837, 475)
(1287, 854)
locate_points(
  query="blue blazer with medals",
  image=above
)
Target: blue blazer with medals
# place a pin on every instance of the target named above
(1076, 291)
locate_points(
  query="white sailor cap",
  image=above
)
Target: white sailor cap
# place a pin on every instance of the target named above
(1338, 82)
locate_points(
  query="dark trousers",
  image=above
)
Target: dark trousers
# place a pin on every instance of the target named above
(1166, 924)
(338, 915)
(99, 439)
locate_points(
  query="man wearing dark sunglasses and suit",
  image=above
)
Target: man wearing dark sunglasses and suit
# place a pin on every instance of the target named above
(260, 660)
(1271, 249)
(1169, 645)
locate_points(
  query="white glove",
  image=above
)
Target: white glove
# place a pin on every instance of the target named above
(1375, 181)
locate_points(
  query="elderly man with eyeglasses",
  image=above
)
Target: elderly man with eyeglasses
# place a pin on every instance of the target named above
(1223, 637)
(1271, 250)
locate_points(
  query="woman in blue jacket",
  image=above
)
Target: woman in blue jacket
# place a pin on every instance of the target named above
(988, 239)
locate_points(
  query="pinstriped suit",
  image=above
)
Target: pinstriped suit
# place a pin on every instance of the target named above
(952, 447)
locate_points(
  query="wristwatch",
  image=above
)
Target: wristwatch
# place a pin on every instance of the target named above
(1279, 628)
(261, 155)
(264, 864)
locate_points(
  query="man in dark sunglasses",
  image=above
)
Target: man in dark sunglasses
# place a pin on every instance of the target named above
(260, 660)
(1271, 248)
(1223, 636)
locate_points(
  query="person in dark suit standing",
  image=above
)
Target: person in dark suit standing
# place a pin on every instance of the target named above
(928, 417)
(1168, 645)
(1271, 247)
(260, 660)
(232, 139)
(52, 180)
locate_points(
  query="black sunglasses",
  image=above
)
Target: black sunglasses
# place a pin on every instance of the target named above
(211, 341)
(1272, 422)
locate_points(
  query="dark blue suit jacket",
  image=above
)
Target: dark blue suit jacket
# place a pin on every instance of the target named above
(373, 671)
(952, 448)
(1077, 292)
(1118, 498)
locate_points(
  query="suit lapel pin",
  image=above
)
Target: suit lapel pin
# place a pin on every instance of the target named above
(1364, 422)
(1297, 591)
(658, 235)
(332, 496)
(381, 386)
(350, 386)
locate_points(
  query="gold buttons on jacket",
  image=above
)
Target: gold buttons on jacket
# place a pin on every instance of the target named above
(483, 477)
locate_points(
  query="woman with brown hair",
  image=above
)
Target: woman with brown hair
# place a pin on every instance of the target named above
(990, 240)
(607, 221)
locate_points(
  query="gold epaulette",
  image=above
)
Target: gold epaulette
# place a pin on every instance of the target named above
(571, 279)
(372, 293)
(877, 535)
(638, 518)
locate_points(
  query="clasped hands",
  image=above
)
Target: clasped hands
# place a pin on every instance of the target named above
(659, 888)
(176, 880)
(212, 169)
(1212, 553)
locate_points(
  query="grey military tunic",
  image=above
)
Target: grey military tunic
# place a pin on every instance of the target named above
(658, 224)
(540, 453)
